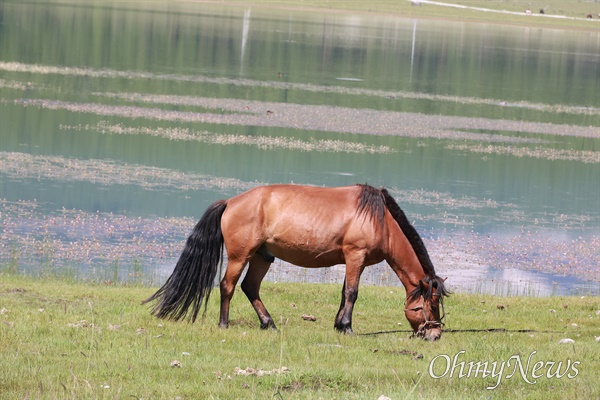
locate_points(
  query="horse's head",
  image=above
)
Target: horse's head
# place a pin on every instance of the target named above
(425, 308)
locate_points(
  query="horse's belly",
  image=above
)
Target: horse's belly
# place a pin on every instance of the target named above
(306, 256)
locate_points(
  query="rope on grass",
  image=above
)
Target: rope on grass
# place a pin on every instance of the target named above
(486, 330)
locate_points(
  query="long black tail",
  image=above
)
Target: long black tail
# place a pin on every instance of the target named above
(193, 277)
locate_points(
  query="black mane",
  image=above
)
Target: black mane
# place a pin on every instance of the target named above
(371, 203)
(374, 202)
(432, 282)
(410, 232)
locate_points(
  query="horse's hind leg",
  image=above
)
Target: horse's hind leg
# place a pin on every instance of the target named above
(232, 275)
(251, 287)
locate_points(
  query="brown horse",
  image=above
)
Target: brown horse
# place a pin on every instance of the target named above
(311, 227)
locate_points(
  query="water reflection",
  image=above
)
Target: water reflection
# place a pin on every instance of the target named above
(245, 30)
(412, 50)
(119, 131)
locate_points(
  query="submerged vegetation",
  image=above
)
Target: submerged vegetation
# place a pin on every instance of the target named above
(103, 246)
(244, 106)
(586, 156)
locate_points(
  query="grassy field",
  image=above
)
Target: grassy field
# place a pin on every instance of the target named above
(575, 11)
(568, 14)
(75, 340)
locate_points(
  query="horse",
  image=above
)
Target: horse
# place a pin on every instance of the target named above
(307, 226)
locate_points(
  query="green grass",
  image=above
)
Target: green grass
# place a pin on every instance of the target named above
(570, 8)
(73, 340)
(578, 9)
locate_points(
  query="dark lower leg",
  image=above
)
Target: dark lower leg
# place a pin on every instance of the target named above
(251, 287)
(343, 321)
(340, 314)
(227, 286)
(354, 268)
(226, 295)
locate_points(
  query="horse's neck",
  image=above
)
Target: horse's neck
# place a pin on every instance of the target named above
(403, 259)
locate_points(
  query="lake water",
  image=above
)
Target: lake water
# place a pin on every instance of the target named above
(120, 124)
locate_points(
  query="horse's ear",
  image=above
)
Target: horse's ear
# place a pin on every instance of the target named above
(444, 279)
(424, 286)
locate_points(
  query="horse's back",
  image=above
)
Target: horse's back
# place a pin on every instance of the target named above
(278, 208)
(305, 225)
(298, 201)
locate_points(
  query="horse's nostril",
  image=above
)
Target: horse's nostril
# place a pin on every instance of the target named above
(433, 337)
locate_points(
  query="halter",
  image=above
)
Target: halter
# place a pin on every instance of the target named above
(428, 323)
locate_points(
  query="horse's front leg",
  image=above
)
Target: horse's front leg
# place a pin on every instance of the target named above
(343, 321)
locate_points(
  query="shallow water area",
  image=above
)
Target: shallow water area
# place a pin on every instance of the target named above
(117, 133)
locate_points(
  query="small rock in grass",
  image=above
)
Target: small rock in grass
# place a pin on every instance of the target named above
(566, 341)
(308, 317)
(176, 364)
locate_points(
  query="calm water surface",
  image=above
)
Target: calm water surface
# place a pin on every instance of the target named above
(120, 125)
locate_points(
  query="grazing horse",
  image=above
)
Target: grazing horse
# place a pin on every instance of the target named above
(311, 227)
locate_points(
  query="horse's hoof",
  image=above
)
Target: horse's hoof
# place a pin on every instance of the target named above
(268, 325)
(346, 330)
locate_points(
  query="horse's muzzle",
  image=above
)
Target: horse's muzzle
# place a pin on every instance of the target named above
(429, 333)
(433, 335)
